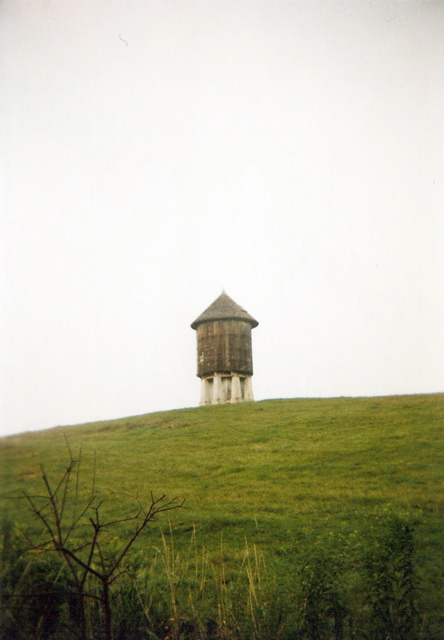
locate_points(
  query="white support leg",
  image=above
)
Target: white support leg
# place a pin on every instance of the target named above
(248, 389)
(236, 391)
(204, 392)
(218, 392)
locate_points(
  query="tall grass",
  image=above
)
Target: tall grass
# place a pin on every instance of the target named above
(185, 594)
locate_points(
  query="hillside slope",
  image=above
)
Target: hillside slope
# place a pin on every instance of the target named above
(290, 476)
(293, 461)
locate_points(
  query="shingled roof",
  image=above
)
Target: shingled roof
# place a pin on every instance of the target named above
(224, 308)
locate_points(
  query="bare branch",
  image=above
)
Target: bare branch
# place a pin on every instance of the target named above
(65, 490)
(77, 520)
(152, 511)
(67, 473)
(39, 515)
(53, 503)
(68, 446)
(80, 562)
(93, 488)
(127, 519)
(77, 476)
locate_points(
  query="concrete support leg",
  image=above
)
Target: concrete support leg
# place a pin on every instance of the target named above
(248, 389)
(218, 394)
(236, 391)
(205, 392)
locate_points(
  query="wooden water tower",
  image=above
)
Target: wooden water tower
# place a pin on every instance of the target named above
(224, 358)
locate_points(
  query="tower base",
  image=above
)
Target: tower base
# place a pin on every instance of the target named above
(223, 388)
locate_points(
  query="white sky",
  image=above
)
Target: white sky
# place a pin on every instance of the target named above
(155, 152)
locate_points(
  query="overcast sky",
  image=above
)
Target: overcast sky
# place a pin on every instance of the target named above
(155, 152)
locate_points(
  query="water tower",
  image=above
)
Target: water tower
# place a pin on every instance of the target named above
(224, 358)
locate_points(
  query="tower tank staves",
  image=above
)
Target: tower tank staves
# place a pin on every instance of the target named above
(224, 353)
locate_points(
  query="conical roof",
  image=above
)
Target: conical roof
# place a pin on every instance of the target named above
(224, 308)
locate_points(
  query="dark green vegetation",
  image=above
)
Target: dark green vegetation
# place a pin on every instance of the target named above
(305, 518)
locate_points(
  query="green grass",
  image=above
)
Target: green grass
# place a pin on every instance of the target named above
(280, 474)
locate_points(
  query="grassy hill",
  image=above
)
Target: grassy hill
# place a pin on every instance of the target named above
(289, 476)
